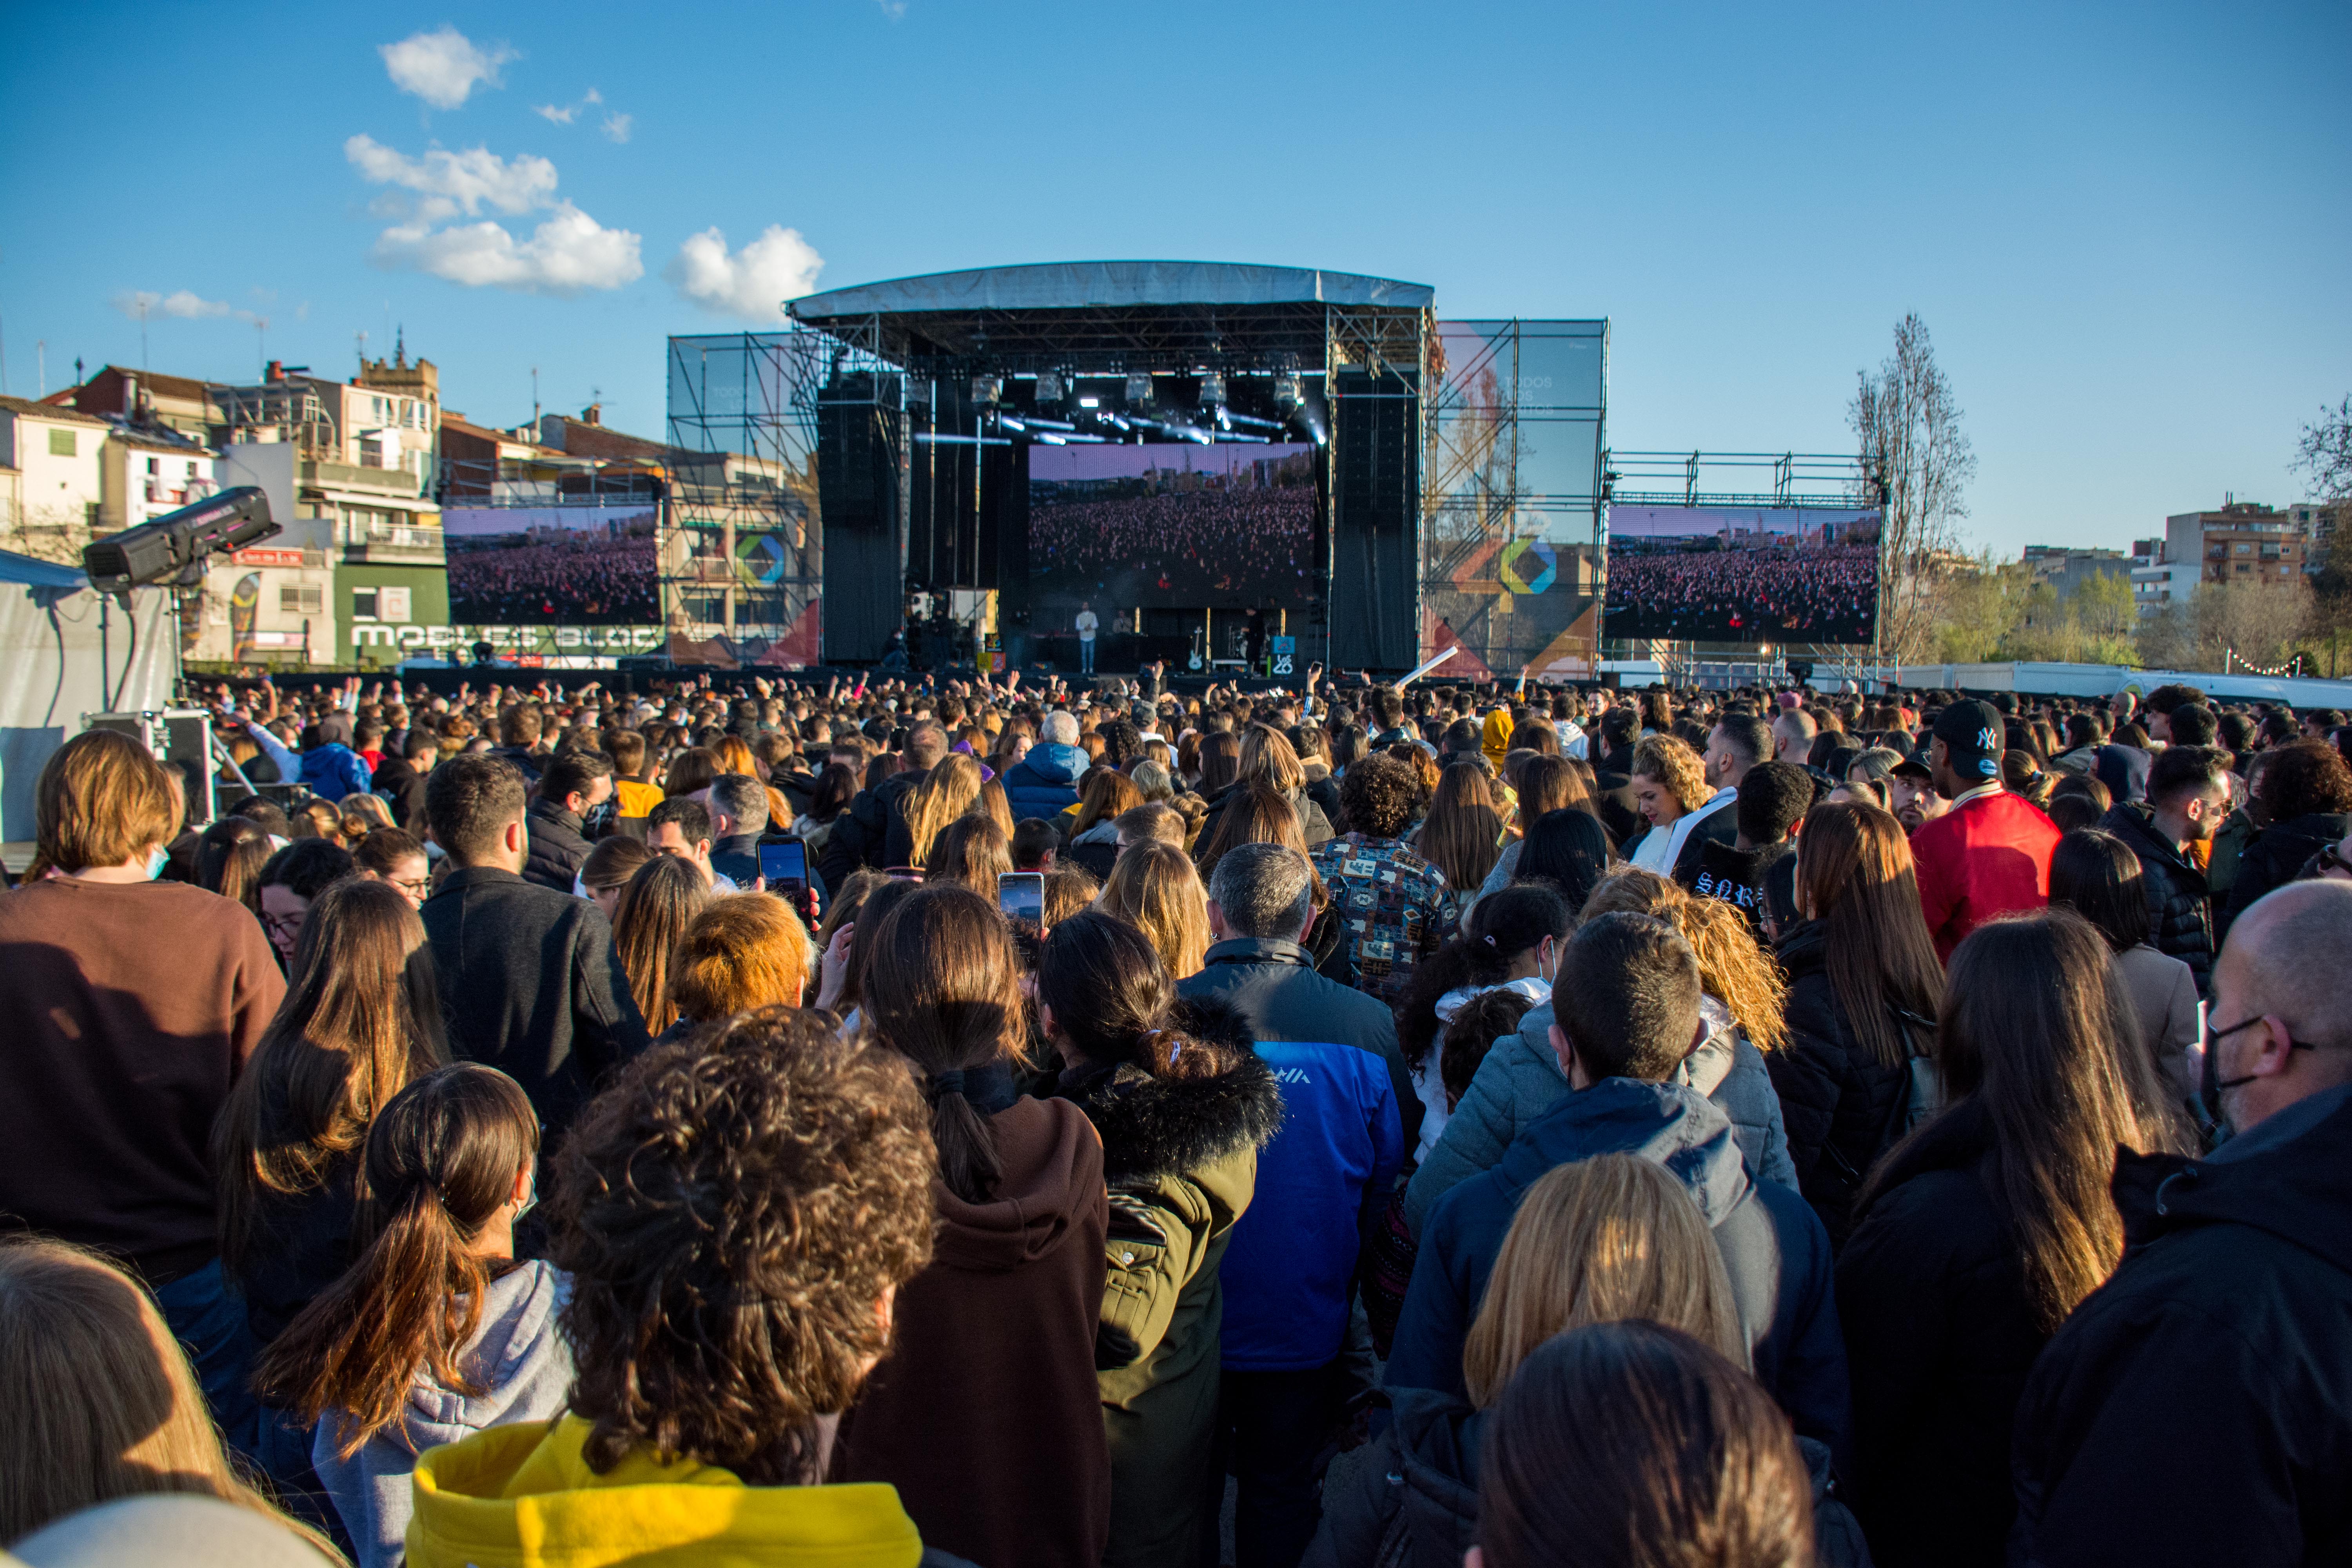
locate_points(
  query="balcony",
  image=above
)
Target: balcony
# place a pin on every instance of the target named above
(352, 477)
(395, 545)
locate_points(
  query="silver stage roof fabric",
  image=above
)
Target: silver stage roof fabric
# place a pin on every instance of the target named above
(1097, 285)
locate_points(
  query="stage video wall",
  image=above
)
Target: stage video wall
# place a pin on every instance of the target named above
(572, 565)
(1171, 525)
(1742, 574)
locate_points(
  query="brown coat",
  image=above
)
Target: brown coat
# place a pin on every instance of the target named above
(985, 1415)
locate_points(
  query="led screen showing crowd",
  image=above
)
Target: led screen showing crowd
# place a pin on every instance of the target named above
(1228, 527)
(1742, 574)
(575, 565)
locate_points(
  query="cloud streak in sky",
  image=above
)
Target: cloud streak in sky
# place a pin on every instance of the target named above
(750, 285)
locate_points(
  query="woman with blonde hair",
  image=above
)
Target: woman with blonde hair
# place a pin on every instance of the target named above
(947, 792)
(1154, 889)
(1268, 757)
(102, 1401)
(657, 903)
(1608, 1240)
(1669, 786)
(735, 756)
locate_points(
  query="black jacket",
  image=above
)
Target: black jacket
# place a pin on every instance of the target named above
(2198, 1407)
(2179, 907)
(559, 847)
(530, 984)
(1734, 875)
(2277, 856)
(1274, 986)
(404, 787)
(1939, 1335)
(1837, 1099)
(1614, 795)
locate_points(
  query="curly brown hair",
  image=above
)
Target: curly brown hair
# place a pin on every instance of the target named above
(1379, 796)
(1673, 763)
(2304, 778)
(733, 1212)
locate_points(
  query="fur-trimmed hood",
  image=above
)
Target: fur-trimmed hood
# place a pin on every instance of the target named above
(1154, 1126)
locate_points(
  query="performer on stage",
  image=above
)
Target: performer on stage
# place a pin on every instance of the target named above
(1088, 626)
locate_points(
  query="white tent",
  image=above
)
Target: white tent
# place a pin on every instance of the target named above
(65, 651)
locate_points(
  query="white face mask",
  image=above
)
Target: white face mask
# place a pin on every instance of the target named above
(156, 860)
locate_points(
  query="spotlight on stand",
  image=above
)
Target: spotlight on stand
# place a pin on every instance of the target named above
(1049, 387)
(1138, 388)
(175, 544)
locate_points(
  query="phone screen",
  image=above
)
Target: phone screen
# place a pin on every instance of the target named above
(784, 864)
(1021, 895)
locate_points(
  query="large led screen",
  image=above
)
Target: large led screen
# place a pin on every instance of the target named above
(1175, 525)
(1761, 575)
(576, 565)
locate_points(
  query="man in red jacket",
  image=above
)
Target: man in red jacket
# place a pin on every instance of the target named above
(1990, 854)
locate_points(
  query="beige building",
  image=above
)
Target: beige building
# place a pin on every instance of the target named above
(51, 478)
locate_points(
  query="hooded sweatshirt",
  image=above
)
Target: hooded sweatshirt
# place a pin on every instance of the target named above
(1773, 1247)
(985, 1415)
(1494, 737)
(524, 1368)
(522, 1496)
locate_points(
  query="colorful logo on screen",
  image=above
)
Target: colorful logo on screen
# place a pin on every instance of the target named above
(761, 557)
(1513, 569)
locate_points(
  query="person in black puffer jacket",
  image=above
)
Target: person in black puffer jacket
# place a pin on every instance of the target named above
(1983, 1229)
(2308, 801)
(2187, 795)
(1844, 1091)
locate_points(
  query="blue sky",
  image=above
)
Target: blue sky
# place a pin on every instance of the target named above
(2125, 226)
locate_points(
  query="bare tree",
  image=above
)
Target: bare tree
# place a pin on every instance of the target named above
(2324, 453)
(1908, 427)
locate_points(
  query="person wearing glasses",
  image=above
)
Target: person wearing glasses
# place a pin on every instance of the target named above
(2195, 1409)
(390, 855)
(294, 877)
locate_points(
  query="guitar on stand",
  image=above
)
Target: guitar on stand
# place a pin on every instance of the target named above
(1199, 660)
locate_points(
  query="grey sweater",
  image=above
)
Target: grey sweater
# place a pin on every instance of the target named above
(516, 1353)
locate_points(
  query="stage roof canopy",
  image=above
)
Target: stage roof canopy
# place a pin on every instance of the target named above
(1099, 316)
(1099, 285)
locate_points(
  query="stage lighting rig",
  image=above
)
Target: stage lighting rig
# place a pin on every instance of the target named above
(1138, 388)
(1213, 389)
(1285, 392)
(174, 545)
(986, 390)
(1049, 387)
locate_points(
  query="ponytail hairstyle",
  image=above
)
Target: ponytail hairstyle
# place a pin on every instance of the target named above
(229, 858)
(1111, 998)
(942, 988)
(442, 1160)
(1502, 926)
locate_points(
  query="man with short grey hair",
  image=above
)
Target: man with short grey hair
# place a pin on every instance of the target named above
(2230, 1317)
(738, 815)
(1349, 1113)
(1060, 728)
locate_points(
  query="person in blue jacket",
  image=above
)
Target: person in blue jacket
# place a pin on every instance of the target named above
(1626, 1010)
(1045, 782)
(330, 768)
(1289, 1269)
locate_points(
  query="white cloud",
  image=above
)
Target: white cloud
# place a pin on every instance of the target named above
(142, 303)
(560, 116)
(593, 97)
(443, 67)
(894, 9)
(616, 126)
(568, 252)
(755, 282)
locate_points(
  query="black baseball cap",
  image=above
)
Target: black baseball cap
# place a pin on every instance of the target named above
(1971, 733)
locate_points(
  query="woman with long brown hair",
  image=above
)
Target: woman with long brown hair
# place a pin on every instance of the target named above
(1543, 785)
(1154, 889)
(436, 1331)
(230, 855)
(1265, 756)
(969, 852)
(1978, 1234)
(986, 1416)
(1864, 990)
(1220, 762)
(947, 792)
(1182, 1119)
(362, 1018)
(102, 1401)
(1463, 834)
(658, 902)
(1092, 840)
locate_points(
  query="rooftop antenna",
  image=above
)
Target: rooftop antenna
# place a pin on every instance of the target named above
(361, 337)
(261, 341)
(142, 334)
(534, 402)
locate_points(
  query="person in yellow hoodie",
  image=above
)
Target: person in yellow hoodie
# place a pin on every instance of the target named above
(737, 1216)
(1495, 738)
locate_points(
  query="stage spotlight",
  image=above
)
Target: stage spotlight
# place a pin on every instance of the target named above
(1213, 389)
(1011, 422)
(1049, 387)
(987, 389)
(1050, 439)
(1286, 391)
(1090, 403)
(1138, 388)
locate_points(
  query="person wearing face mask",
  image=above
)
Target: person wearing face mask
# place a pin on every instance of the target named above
(2195, 1409)
(129, 1008)
(1512, 943)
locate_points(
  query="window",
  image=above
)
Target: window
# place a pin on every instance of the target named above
(364, 603)
(300, 598)
(154, 467)
(2245, 549)
(62, 444)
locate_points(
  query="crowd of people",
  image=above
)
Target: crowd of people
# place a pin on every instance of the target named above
(1824, 594)
(1176, 546)
(872, 1121)
(583, 579)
